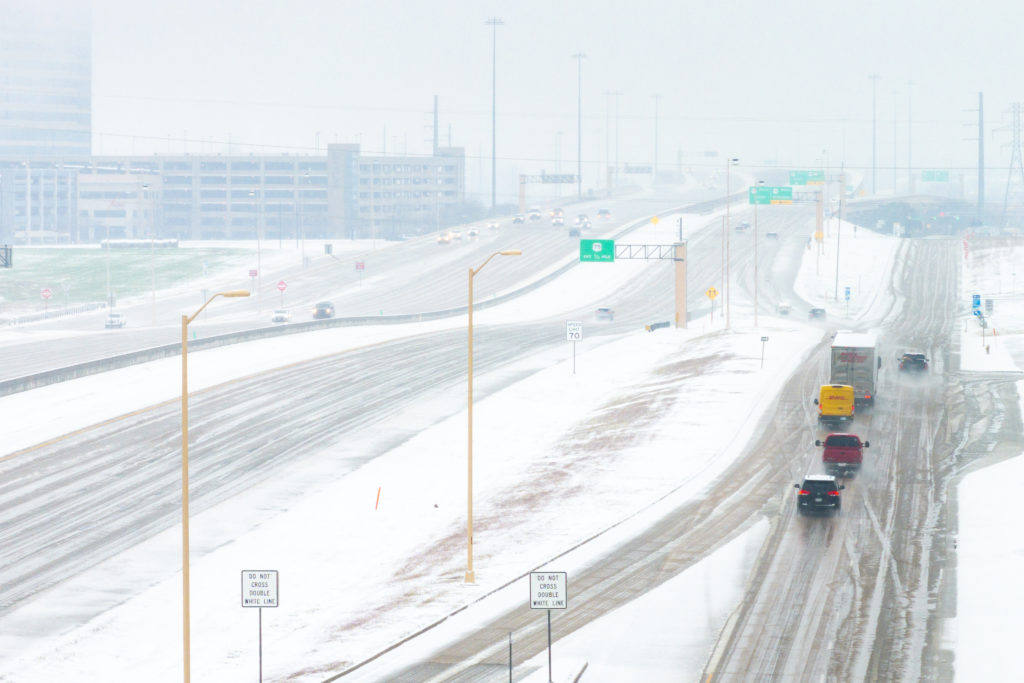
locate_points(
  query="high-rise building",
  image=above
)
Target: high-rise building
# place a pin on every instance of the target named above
(45, 78)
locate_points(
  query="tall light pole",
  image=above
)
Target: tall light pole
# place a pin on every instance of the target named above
(579, 56)
(910, 168)
(607, 138)
(759, 182)
(152, 257)
(615, 174)
(470, 574)
(494, 23)
(895, 138)
(729, 163)
(185, 320)
(259, 252)
(656, 97)
(874, 132)
(558, 160)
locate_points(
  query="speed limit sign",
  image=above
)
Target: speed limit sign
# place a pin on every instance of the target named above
(573, 330)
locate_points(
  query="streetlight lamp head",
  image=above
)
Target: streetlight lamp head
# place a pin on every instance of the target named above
(734, 161)
(235, 292)
(511, 252)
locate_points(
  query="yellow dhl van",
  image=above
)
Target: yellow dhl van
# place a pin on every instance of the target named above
(835, 403)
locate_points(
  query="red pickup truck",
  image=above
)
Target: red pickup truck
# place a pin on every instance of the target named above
(843, 453)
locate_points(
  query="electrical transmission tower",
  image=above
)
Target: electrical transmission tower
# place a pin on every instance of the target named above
(1015, 180)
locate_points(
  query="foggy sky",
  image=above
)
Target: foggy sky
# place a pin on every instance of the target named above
(783, 80)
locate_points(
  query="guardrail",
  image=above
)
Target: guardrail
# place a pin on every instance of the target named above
(41, 379)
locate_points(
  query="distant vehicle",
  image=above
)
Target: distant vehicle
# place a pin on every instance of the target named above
(816, 314)
(835, 403)
(558, 212)
(534, 213)
(854, 360)
(444, 238)
(783, 308)
(281, 316)
(115, 320)
(819, 493)
(604, 313)
(913, 361)
(557, 220)
(456, 235)
(843, 453)
(473, 232)
(604, 213)
(323, 309)
(582, 217)
(574, 231)
(771, 235)
(519, 218)
(585, 224)
(742, 226)
(492, 225)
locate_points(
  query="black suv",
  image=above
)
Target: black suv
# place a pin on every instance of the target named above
(324, 309)
(819, 493)
(912, 360)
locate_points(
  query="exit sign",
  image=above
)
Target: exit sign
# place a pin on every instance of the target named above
(597, 250)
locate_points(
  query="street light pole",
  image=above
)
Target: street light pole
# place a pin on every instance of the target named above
(874, 119)
(656, 97)
(910, 168)
(579, 56)
(759, 182)
(152, 258)
(185, 320)
(728, 191)
(470, 574)
(494, 23)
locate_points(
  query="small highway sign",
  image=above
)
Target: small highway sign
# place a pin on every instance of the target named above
(935, 176)
(281, 286)
(252, 272)
(360, 265)
(975, 300)
(806, 177)
(711, 293)
(597, 250)
(548, 590)
(573, 330)
(46, 293)
(259, 588)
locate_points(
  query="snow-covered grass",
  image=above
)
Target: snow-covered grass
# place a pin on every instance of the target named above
(641, 426)
(990, 548)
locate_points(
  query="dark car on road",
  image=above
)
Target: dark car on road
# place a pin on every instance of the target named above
(324, 309)
(913, 361)
(816, 314)
(604, 313)
(819, 493)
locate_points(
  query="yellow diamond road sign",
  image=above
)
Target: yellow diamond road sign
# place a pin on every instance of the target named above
(711, 293)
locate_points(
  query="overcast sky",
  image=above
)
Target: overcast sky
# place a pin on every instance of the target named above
(758, 80)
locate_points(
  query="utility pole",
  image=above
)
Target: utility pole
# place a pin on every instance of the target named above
(1015, 179)
(729, 163)
(579, 56)
(874, 133)
(895, 138)
(494, 23)
(607, 137)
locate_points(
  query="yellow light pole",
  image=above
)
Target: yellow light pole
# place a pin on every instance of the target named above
(185, 320)
(470, 574)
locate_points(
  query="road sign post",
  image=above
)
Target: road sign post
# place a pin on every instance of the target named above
(573, 333)
(711, 293)
(549, 590)
(259, 589)
(281, 286)
(764, 340)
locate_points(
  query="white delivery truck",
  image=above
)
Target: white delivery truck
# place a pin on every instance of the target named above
(855, 361)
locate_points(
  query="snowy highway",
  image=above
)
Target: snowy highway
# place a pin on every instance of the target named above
(853, 597)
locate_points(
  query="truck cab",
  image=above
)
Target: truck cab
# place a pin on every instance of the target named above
(835, 403)
(843, 453)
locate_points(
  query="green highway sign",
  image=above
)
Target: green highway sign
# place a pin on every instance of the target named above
(770, 194)
(806, 177)
(597, 250)
(935, 176)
